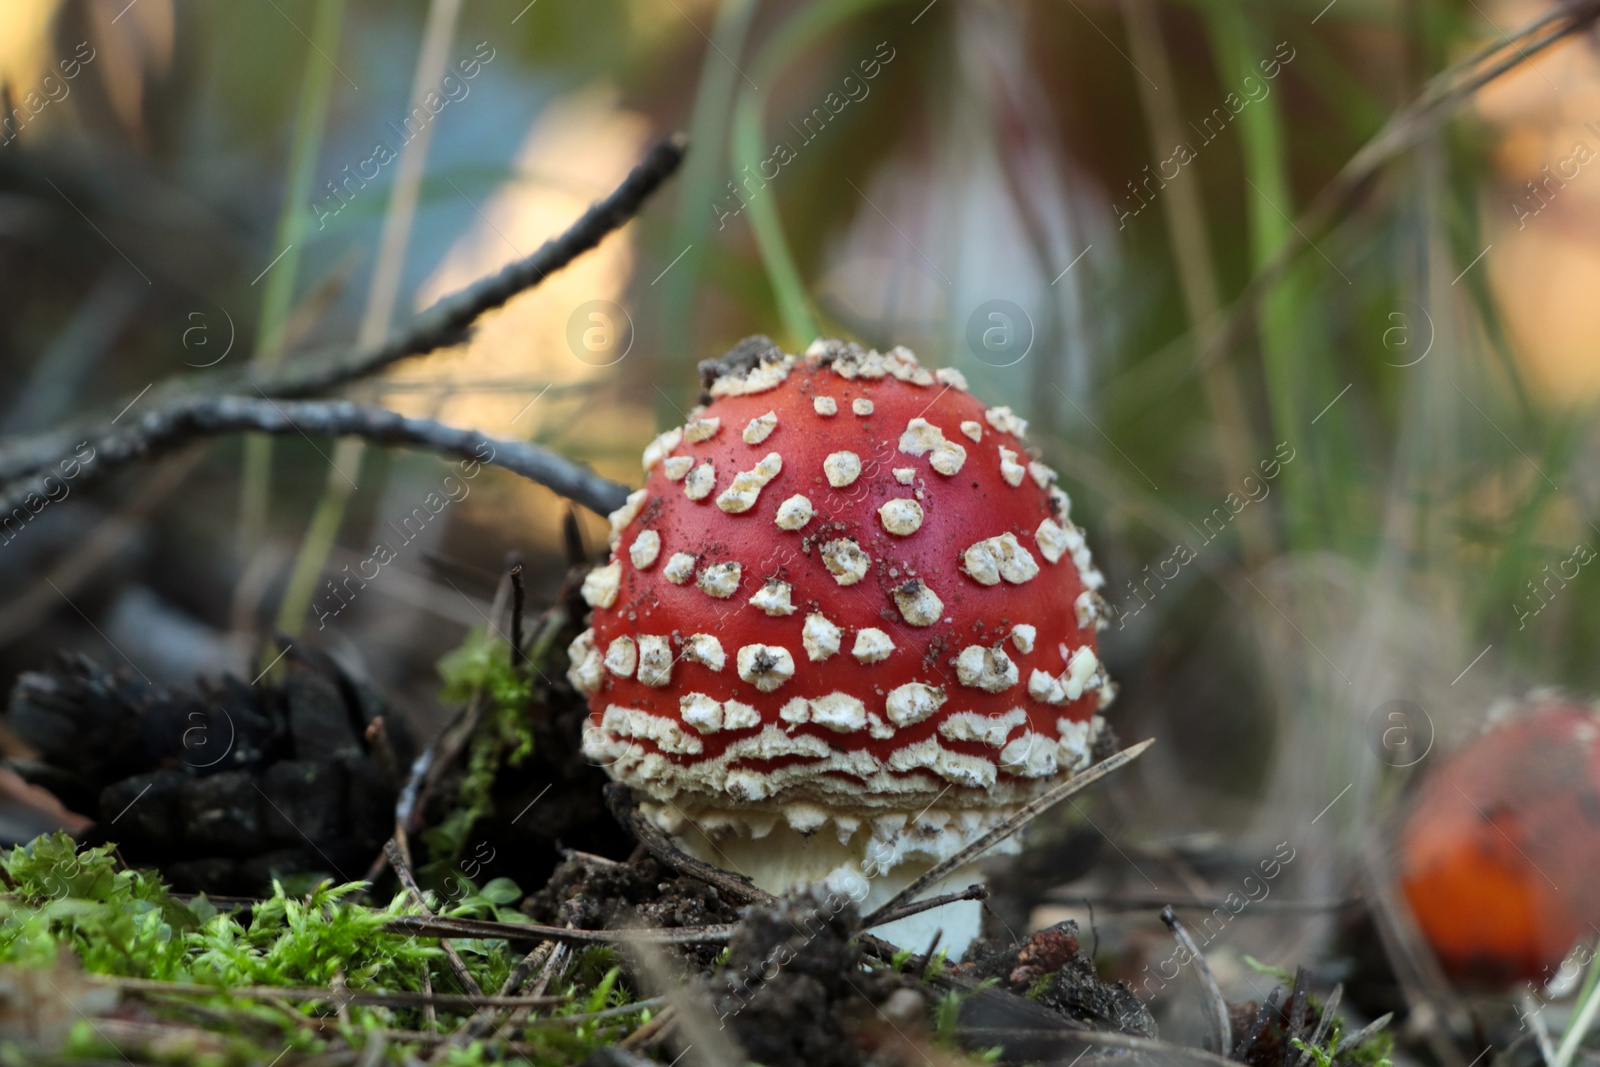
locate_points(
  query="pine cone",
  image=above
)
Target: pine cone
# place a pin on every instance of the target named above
(224, 788)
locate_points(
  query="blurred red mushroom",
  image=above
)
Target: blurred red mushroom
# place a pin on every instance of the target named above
(848, 625)
(1499, 851)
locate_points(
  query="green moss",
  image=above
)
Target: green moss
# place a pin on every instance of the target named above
(1279, 973)
(1375, 1051)
(481, 667)
(65, 904)
(117, 922)
(1320, 1056)
(947, 1012)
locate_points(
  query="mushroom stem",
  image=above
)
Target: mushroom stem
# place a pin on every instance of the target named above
(785, 860)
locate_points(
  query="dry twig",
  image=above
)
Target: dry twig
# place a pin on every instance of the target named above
(620, 799)
(487, 1020)
(917, 907)
(1022, 817)
(436, 926)
(372, 998)
(166, 428)
(402, 869)
(447, 322)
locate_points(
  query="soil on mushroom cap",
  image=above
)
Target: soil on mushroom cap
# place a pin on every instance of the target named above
(741, 358)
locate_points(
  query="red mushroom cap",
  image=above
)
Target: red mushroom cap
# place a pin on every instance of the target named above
(845, 592)
(1498, 854)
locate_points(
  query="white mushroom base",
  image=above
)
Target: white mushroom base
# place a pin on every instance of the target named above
(785, 860)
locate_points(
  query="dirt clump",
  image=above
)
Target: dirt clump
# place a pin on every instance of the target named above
(594, 893)
(1051, 970)
(793, 991)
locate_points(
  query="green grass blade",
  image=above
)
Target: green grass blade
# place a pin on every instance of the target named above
(704, 185)
(345, 467)
(1239, 46)
(788, 287)
(749, 149)
(310, 119)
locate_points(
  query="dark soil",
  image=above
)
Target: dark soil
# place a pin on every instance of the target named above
(793, 992)
(593, 893)
(1053, 971)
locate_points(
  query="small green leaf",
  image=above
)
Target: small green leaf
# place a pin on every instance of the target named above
(501, 891)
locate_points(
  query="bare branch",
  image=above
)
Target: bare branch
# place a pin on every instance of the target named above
(447, 322)
(917, 907)
(163, 430)
(439, 926)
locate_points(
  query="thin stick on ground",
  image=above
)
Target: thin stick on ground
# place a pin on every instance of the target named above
(1023, 816)
(452, 741)
(1221, 1028)
(162, 430)
(402, 869)
(654, 1030)
(535, 960)
(917, 907)
(372, 998)
(553, 965)
(621, 1011)
(518, 607)
(489, 1019)
(619, 798)
(437, 926)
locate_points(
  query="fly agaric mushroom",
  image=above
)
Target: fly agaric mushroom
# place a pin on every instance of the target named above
(847, 627)
(1498, 853)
